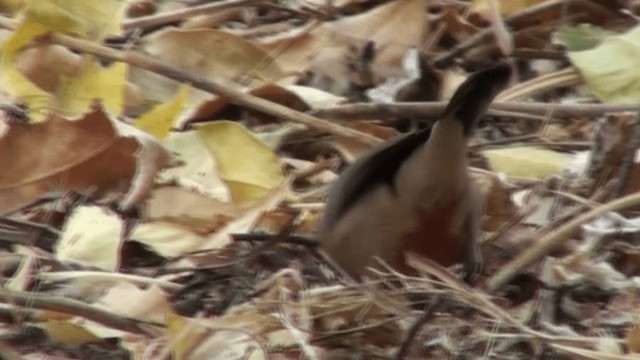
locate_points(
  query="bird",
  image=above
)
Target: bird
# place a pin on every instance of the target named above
(414, 192)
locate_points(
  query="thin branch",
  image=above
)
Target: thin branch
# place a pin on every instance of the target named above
(433, 109)
(235, 96)
(531, 12)
(417, 324)
(73, 307)
(554, 239)
(181, 14)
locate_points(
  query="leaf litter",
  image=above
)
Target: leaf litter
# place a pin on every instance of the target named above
(154, 191)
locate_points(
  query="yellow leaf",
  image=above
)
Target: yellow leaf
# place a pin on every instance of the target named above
(67, 333)
(88, 19)
(633, 338)
(527, 161)
(248, 167)
(10, 6)
(184, 334)
(159, 120)
(12, 80)
(612, 81)
(94, 82)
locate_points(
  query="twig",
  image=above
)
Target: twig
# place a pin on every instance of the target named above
(181, 14)
(319, 166)
(413, 331)
(538, 85)
(74, 307)
(271, 242)
(108, 276)
(293, 239)
(474, 297)
(432, 109)
(235, 96)
(552, 240)
(628, 160)
(444, 60)
(28, 233)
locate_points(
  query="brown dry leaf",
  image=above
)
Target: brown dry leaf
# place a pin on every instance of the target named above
(456, 25)
(168, 239)
(87, 155)
(393, 28)
(633, 339)
(45, 65)
(189, 207)
(208, 53)
(409, 86)
(499, 207)
(272, 92)
(151, 157)
(351, 149)
(244, 223)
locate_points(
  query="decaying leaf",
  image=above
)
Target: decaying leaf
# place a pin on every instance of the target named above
(527, 161)
(67, 82)
(159, 120)
(248, 167)
(197, 166)
(92, 236)
(392, 28)
(208, 53)
(93, 154)
(612, 81)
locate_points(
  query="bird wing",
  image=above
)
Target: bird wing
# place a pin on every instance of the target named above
(378, 167)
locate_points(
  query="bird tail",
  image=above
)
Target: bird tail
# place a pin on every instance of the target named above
(473, 97)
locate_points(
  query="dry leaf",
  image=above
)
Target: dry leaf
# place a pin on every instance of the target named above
(248, 167)
(272, 92)
(86, 155)
(527, 161)
(393, 28)
(208, 53)
(198, 169)
(49, 89)
(159, 120)
(148, 304)
(92, 235)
